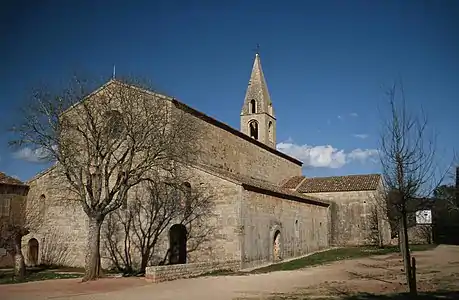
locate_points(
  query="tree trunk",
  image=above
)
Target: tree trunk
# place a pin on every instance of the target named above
(19, 264)
(92, 261)
(407, 255)
(144, 262)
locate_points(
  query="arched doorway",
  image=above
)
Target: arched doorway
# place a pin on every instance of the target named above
(177, 244)
(33, 252)
(277, 253)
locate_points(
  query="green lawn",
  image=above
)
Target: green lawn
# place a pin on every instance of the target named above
(335, 255)
(40, 273)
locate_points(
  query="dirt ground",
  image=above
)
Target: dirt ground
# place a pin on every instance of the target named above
(438, 270)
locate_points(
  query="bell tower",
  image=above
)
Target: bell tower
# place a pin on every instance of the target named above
(257, 115)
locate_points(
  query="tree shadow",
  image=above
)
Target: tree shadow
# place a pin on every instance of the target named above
(355, 275)
(363, 296)
(422, 296)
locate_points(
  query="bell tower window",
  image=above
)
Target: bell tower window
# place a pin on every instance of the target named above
(253, 129)
(270, 131)
(253, 106)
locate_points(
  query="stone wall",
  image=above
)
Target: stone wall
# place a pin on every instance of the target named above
(303, 227)
(15, 195)
(420, 234)
(352, 218)
(63, 233)
(214, 240)
(171, 272)
(229, 149)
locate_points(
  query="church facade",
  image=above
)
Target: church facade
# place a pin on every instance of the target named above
(265, 209)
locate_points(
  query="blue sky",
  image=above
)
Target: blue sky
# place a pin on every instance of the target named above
(324, 61)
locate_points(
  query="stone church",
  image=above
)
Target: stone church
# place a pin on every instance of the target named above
(267, 211)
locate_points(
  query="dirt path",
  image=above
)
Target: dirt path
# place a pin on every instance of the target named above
(436, 269)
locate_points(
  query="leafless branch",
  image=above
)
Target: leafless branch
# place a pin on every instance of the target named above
(105, 143)
(156, 206)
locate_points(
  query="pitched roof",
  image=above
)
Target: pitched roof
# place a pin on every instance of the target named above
(257, 89)
(251, 183)
(293, 182)
(340, 183)
(5, 179)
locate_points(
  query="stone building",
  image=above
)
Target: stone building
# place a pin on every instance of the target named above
(265, 209)
(13, 195)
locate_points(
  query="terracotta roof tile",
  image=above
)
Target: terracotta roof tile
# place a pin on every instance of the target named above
(5, 179)
(293, 182)
(340, 183)
(257, 183)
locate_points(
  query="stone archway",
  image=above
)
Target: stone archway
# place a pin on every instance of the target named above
(177, 244)
(277, 246)
(33, 252)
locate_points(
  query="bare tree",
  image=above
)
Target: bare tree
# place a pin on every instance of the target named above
(141, 228)
(24, 217)
(409, 167)
(105, 143)
(449, 193)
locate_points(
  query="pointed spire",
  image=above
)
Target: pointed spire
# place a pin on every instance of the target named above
(257, 88)
(114, 72)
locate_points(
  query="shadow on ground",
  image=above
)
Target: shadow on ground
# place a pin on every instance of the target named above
(362, 296)
(425, 296)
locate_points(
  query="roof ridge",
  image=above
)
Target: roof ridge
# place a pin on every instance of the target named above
(340, 176)
(347, 183)
(9, 180)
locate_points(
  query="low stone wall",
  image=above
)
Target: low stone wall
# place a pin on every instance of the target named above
(420, 234)
(172, 272)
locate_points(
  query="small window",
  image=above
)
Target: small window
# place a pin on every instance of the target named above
(42, 204)
(270, 131)
(186, 203)
(253, 106)
(5, 207)
(115, 124)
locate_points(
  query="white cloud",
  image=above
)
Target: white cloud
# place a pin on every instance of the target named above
(36, 156)
(325, 156)
(354, 114)
(340, 117)
(364, 155)
(360, 135)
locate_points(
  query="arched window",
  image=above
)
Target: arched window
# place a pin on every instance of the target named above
(253, 129)
(42, 204)
(115, 124)
(270, 131)
(253, 106)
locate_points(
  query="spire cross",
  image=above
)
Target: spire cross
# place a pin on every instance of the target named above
(257, 49)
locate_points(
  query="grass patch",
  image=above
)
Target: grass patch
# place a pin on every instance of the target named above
(335, 255)
(37, 276)
(222, 272)
(41, 273)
